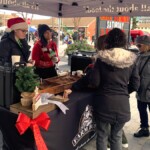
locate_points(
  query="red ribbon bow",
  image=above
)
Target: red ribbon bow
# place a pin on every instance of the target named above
(24, 122)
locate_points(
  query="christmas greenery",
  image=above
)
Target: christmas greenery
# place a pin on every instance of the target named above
(80, 46)
(26, 79)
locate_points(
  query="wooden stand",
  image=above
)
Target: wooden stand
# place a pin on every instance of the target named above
(53, 85)
(57, 85)
(17, 108)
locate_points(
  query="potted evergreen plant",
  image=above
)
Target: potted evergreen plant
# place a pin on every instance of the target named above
(26, 82)
(79, 46)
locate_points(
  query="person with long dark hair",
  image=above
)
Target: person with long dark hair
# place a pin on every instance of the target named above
(101, 44)
(114, 76)
(45, 53)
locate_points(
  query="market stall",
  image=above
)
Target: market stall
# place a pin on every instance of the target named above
(80, 8)
(76, 128)
(66, 132)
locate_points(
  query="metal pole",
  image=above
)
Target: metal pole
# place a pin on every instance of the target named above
(97, 27)
(129, 33)
(97, 32)
(4, 23)
(28, 32)
(59, 22)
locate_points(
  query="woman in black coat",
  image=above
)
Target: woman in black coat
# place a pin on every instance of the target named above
(14, 44)
(114, 77)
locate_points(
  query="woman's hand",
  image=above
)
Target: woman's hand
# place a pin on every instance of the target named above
(54, 59)
(31, 63)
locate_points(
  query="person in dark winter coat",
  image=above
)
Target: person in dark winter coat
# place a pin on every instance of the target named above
(14, 44)
(143, 94)
(6, 34)
(101, 44)
(45, 53)
(114, 77)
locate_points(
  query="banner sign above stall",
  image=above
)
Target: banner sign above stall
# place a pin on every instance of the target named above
(114, 24)
(15, 3)
(118, 9)
(80, 8)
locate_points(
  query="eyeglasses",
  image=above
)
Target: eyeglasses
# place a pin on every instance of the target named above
(139, 45)
(24, 31)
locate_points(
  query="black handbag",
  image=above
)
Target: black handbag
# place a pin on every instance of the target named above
(8, 92)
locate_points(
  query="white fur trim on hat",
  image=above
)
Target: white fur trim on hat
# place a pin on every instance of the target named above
(22, 25)
(7, 30)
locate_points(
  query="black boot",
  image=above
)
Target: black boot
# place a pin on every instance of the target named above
(143, 132)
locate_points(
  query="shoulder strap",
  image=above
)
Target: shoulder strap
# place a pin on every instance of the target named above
(144, 66)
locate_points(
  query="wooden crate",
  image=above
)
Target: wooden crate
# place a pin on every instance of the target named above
(57, 85)
(17, 108)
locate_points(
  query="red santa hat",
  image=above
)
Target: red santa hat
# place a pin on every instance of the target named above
(17, 23)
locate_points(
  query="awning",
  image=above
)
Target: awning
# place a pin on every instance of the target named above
(79, 8)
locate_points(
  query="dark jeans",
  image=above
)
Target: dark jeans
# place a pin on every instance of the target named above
(142, 107)
(103, 130)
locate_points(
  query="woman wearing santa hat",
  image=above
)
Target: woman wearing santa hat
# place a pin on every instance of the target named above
(15, 44)
(45, 53)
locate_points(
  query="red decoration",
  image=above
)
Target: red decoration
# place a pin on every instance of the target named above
(28, 21)
(24, 122)
(91, 65)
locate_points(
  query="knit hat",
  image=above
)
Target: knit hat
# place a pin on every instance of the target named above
(17, 23)
(42, 28)
(143, 40)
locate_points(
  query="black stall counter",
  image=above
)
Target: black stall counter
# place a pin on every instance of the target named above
(66, 132)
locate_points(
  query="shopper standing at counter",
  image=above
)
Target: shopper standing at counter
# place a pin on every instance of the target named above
(45, 53)
(113, 77)
(14, 44)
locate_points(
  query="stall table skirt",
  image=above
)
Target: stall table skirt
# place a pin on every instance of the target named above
(66, 132)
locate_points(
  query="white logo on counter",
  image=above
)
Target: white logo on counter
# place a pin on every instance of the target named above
(86, 125)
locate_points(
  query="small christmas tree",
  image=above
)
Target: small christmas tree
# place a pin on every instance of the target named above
(26, 79)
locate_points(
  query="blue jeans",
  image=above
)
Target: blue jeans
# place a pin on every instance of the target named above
(104, 130)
